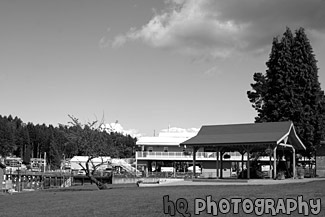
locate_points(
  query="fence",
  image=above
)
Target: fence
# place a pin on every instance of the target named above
(27, 182)
(157, 175)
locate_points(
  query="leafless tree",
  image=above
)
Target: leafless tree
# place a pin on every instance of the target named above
(92, 142)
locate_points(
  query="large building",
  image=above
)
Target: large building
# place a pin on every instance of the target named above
(222, 150)
(164, 153)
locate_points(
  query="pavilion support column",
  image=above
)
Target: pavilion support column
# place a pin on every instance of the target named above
(217, 163)
(221, 164)
(194, 161)
(248, 165)
(274, 163)
(242, 163)
(175, 166)
(248, 149)
(294, 162)
(270, 166)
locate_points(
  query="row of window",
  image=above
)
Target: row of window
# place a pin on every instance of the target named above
(150, 149)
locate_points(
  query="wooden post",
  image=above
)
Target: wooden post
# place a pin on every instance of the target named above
(18, 179)
(270, 166)
(174, 169)
(315, 171)
(248, 165)
(217, 163)
(136, 164)
(35, 181)
(242, 164)
(294, 162)
(274, 163)
(221, 164)
(194, 161)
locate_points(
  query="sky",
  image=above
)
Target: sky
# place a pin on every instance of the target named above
(144, 64)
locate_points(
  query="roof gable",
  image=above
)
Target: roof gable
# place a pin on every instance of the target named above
(255, 128)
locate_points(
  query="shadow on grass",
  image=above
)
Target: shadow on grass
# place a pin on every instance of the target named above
(90, 188)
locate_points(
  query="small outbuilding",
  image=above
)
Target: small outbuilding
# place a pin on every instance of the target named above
(78, 162)
(271, 137)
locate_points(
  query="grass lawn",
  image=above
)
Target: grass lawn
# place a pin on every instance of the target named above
(129, 200)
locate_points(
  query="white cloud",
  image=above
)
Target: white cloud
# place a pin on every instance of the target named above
(175, 131)
(119, 41)
(219, 29)
(104, 41)
(213, 71)
(117, 127)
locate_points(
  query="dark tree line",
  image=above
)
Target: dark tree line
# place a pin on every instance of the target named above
(290, 90)
(29, 140)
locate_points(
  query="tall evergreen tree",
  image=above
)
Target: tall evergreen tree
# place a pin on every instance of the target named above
(25, 145)
(54, 157)
(290, 89)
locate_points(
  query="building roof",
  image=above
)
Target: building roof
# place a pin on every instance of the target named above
(162, 141)
(85, 158)
(268, 133)
(173, 137)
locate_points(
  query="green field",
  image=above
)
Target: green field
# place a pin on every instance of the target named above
(129, 200)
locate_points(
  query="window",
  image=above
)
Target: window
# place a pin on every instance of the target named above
(165, 149)
(150, 149)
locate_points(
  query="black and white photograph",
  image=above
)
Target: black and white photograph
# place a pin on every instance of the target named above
(162, 108)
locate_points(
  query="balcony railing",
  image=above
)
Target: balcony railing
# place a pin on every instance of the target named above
(184, 155)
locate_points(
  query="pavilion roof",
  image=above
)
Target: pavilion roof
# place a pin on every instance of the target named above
(257, 134)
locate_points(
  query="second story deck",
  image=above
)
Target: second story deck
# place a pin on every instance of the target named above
(188, 156)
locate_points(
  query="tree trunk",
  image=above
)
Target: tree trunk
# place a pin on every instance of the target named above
(100, 185)
(90, 173)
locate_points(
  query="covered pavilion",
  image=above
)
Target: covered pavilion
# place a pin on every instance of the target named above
(247, 138)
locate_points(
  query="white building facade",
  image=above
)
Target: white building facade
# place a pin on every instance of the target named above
(162, 152)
